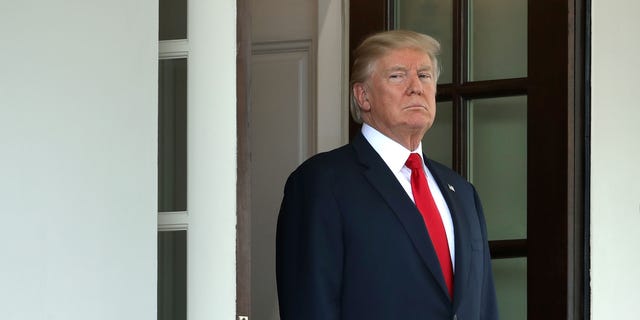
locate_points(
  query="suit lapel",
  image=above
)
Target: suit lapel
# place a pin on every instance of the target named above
(461, 230)
(384, 181)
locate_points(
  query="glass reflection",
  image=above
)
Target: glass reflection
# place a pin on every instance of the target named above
(434, 18)
(173, 19)
(510, 276)
(437, 143)
(172, 275)
(172, 135)
(498, 163)
(498, 39)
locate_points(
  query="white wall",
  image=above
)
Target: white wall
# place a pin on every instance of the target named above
(78, 130)
(78, 166)
(615, 159)
(211, 273)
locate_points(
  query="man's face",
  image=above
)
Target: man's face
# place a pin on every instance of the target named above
(399, 98)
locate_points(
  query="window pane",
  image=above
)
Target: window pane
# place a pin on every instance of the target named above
(432, 17)
(172, 275)
(498, 36)
(498, 163)
(172, 135)
(437, 143)
(173, 19)
(510, 276)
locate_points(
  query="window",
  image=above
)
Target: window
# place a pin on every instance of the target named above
(173, 217)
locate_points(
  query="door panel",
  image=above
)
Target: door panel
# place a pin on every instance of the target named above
(281, 138)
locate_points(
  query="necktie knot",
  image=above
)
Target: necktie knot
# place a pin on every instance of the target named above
(414, 162)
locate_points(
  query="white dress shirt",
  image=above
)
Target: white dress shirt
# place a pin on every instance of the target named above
(395, 156)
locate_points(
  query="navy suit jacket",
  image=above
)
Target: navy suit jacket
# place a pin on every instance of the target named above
(351, 244)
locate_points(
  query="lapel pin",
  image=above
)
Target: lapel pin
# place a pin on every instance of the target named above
(452, 188)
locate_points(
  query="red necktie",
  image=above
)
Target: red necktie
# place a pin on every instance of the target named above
(429, 210)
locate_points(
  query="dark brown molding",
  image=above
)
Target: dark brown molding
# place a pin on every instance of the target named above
(578, 235)
(555, 176)
(243, 185)
(376, 21)
(582, 265)
(484, 89)
(504, 249)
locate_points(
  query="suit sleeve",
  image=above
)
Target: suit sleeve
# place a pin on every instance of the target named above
(489, 306)
(309, 250)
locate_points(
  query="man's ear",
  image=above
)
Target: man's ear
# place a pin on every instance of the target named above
(360, 94)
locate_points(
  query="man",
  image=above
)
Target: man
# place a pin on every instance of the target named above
(373, 231)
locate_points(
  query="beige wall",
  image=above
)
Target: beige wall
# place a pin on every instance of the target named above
(615, 160)
(283, 20)
(296, 99)
(282, 117)
(323, 22)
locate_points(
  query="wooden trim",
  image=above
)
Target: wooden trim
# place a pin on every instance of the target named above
(579, 297)
(460, 50)
(555, 117)
(243, 185)
(504, 249)
(460, 132)
(375, 11)
(485, 89)
(390, 15)
(376, 20)
(584, 46)
(460, 136)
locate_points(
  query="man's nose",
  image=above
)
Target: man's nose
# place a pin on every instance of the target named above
(415, 85)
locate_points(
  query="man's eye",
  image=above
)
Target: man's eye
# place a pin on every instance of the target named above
(425, 76)
(396, 76)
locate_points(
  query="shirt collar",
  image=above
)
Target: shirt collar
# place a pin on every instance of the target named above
(391, 152)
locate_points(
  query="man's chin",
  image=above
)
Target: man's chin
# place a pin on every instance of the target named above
(419, 124)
